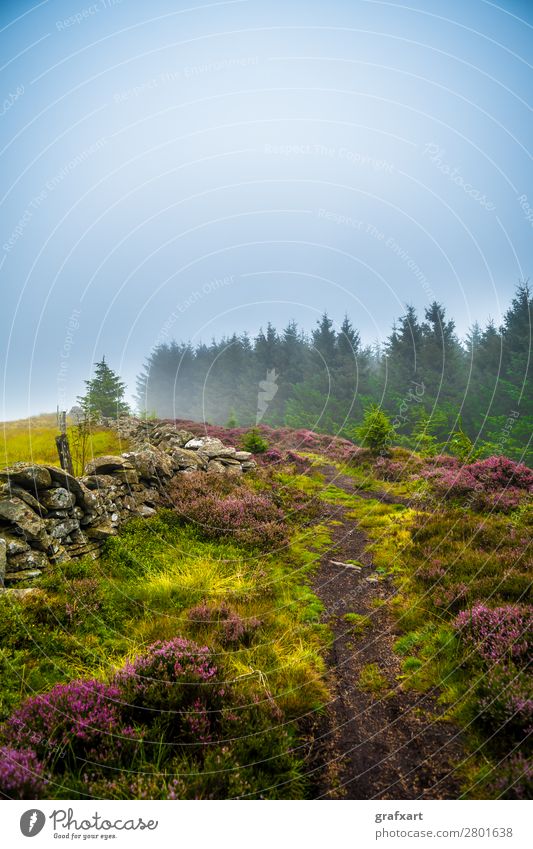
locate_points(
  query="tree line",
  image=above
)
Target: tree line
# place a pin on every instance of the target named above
(424, 377)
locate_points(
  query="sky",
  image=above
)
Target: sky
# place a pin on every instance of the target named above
(190, 169)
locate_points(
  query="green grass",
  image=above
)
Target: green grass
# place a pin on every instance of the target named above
(89, 617)
(33, 440)
(372, 680)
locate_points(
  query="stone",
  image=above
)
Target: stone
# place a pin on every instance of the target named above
(184, 436)
(19, 514)
(235, 470)
(22, 592)
(84, 498)
(145, 511)
(58, 499)
(243, 455)
(150, 463)
(210, 446)
(128, 476)
(106, 464)
(215, 467)
(28, 498)
(14, 544)
(228, 461)
(184, 459)
(102, 531)
(27, 475)
(61, 529)
(27, 560)
(25, 575)
(248, 465)
(99, 482)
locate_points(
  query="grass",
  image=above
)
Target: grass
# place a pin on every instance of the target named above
(444, 559)
(372, 680)
(33, 440)
(88, 617)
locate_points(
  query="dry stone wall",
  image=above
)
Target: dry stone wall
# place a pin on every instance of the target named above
(48, 516)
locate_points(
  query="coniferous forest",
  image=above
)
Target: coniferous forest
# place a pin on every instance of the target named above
(429, 381)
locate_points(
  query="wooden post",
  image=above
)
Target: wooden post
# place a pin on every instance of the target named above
(62, 444)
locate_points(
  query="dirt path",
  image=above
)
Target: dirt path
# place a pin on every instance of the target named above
(374, 746)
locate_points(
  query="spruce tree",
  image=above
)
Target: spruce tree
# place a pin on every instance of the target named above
(105, 393)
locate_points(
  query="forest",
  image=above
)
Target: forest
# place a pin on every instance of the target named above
(431, 383)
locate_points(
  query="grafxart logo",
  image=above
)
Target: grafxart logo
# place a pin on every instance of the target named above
(32, 822)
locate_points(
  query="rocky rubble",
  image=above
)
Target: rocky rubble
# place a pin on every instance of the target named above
(48, 516)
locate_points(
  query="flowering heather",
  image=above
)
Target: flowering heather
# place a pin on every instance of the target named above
(21, 774)
(390, 470)
(169, 677)
(283, 439)
(497, 633)
(245, 516)
(81, 718)
(514, 778)
(495, 473)
(452, 597)
(231, 627)
(272, 457)
(505, 704)
(496, 483)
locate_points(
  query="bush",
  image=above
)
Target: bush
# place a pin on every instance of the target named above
(497, 633)
(505, 705)
(515, 778)
(174, 684)
(272, 457)
(230, 627)
(247, 517)
(81, 719)
(254, 442)
(376, 432)
(21, 774)
(496, 483)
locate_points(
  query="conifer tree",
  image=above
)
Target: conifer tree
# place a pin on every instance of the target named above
(105, 393)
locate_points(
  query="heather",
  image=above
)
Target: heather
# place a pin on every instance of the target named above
(245, 516)
(176, 666)
(22, 775)
(497, 634)
(495, 483)
(186, 662)
(462, 605)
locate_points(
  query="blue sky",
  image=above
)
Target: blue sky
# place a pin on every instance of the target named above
(190, 169)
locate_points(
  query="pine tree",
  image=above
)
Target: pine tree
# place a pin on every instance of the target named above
(105, 393)
(324, 339)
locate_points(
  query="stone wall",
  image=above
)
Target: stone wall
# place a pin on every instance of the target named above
(48, 516)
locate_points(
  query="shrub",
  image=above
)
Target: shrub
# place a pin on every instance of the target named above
(173, 684)
(21, 774)
(376, 432)
(81, 719)
(496, 483)
(515, 778)
(461, 446)
(231, 627)
(497, 633)
(505, 704)
(302, 463)
(254, 442)
(245, 516)
(272, 456)
(496, 473)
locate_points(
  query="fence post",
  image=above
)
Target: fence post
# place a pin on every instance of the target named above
(62, 444)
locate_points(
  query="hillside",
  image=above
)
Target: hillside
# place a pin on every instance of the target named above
(321, 622)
